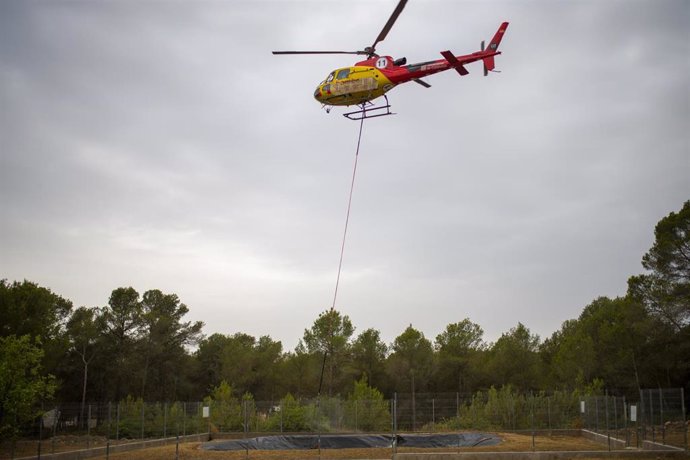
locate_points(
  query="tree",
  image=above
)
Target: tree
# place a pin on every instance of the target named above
(122, 320)
(569, 356)
(330, 335)
(366, 409)
(22, 385)
(163, 342)
(513, 359)
(368, 355)
(226, 408)
(209, 355)
(83, 331)
(300, 371)
(411, 362)
(456, 347)
(613, 341)
(268, 355)
(28, 309)
(665, 290)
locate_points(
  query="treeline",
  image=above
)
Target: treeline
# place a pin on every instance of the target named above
(140, 345)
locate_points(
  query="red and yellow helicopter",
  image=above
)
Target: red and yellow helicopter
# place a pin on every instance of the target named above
(376, 75)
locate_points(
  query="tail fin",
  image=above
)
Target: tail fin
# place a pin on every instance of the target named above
(489, 63)
(493, 44)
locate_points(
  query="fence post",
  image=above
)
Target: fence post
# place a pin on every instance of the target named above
(457, 406)
(548, 413)
(531, 411)
(88, 429)
(606, 408)
(55, 422)
(143, 406)
(651, 415)
(414, 408)
(686, 425)
(246, 426)
(433, 414)
(615, 417)
(40, 433)
(661, 417)
(625, 423)
(395, 424)
(117, 422)
(107, 439)
(356, 414)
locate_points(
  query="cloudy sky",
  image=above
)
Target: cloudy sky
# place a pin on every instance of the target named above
(160, 145)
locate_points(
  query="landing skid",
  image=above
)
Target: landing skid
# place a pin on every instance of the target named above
(369, 110)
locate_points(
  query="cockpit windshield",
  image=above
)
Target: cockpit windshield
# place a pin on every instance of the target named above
(330, 77)
(343, 73)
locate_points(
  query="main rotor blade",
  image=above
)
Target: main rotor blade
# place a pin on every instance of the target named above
(421, 82)
(389, 24)
(320, 52)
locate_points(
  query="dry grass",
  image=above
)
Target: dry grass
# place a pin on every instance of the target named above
(511, 443)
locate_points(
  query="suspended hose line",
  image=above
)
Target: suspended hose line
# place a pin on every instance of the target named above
(342, 246)
(347, 216)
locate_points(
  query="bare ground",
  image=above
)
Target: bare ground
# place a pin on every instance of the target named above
(511, 443)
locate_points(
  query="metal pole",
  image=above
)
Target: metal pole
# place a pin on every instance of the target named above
(531, 415)
(651, 415)
(625, 423)
(548, 413)
(117, 422)
(457, 405)
(246, 426)
(433, 414)
(661, 418)
(615, 417)
(143, 405)
(165, 419)
(356, 414)
(682, 403)
(639, 419)
(107, 442)
(395, 424)
(88, 430)
(40, 434)
(184, 419)
(606, 408)
(55, 422)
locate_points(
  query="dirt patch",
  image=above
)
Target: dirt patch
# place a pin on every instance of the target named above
(510, 443)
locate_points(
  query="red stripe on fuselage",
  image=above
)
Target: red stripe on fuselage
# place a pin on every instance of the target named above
(403, 74)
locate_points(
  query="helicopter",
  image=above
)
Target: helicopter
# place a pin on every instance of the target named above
(373, 77)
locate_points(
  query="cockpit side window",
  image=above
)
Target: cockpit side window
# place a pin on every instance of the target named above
(330, 77)
(343, 73)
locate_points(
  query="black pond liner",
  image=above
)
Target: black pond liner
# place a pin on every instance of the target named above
(347, 441)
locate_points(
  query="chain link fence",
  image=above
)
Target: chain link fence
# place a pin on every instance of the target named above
(659, 418)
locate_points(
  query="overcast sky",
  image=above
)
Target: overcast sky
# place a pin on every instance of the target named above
(160, 145)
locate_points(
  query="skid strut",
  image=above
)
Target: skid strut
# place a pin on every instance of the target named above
(369, 110)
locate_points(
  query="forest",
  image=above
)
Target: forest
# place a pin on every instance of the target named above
(140, 345)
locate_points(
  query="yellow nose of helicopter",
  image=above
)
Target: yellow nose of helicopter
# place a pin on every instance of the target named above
(317, 93)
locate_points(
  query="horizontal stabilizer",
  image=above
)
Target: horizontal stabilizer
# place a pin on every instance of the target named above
(454, 63)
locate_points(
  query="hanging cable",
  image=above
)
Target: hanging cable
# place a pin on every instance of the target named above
(347, 216)
(342, 250)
